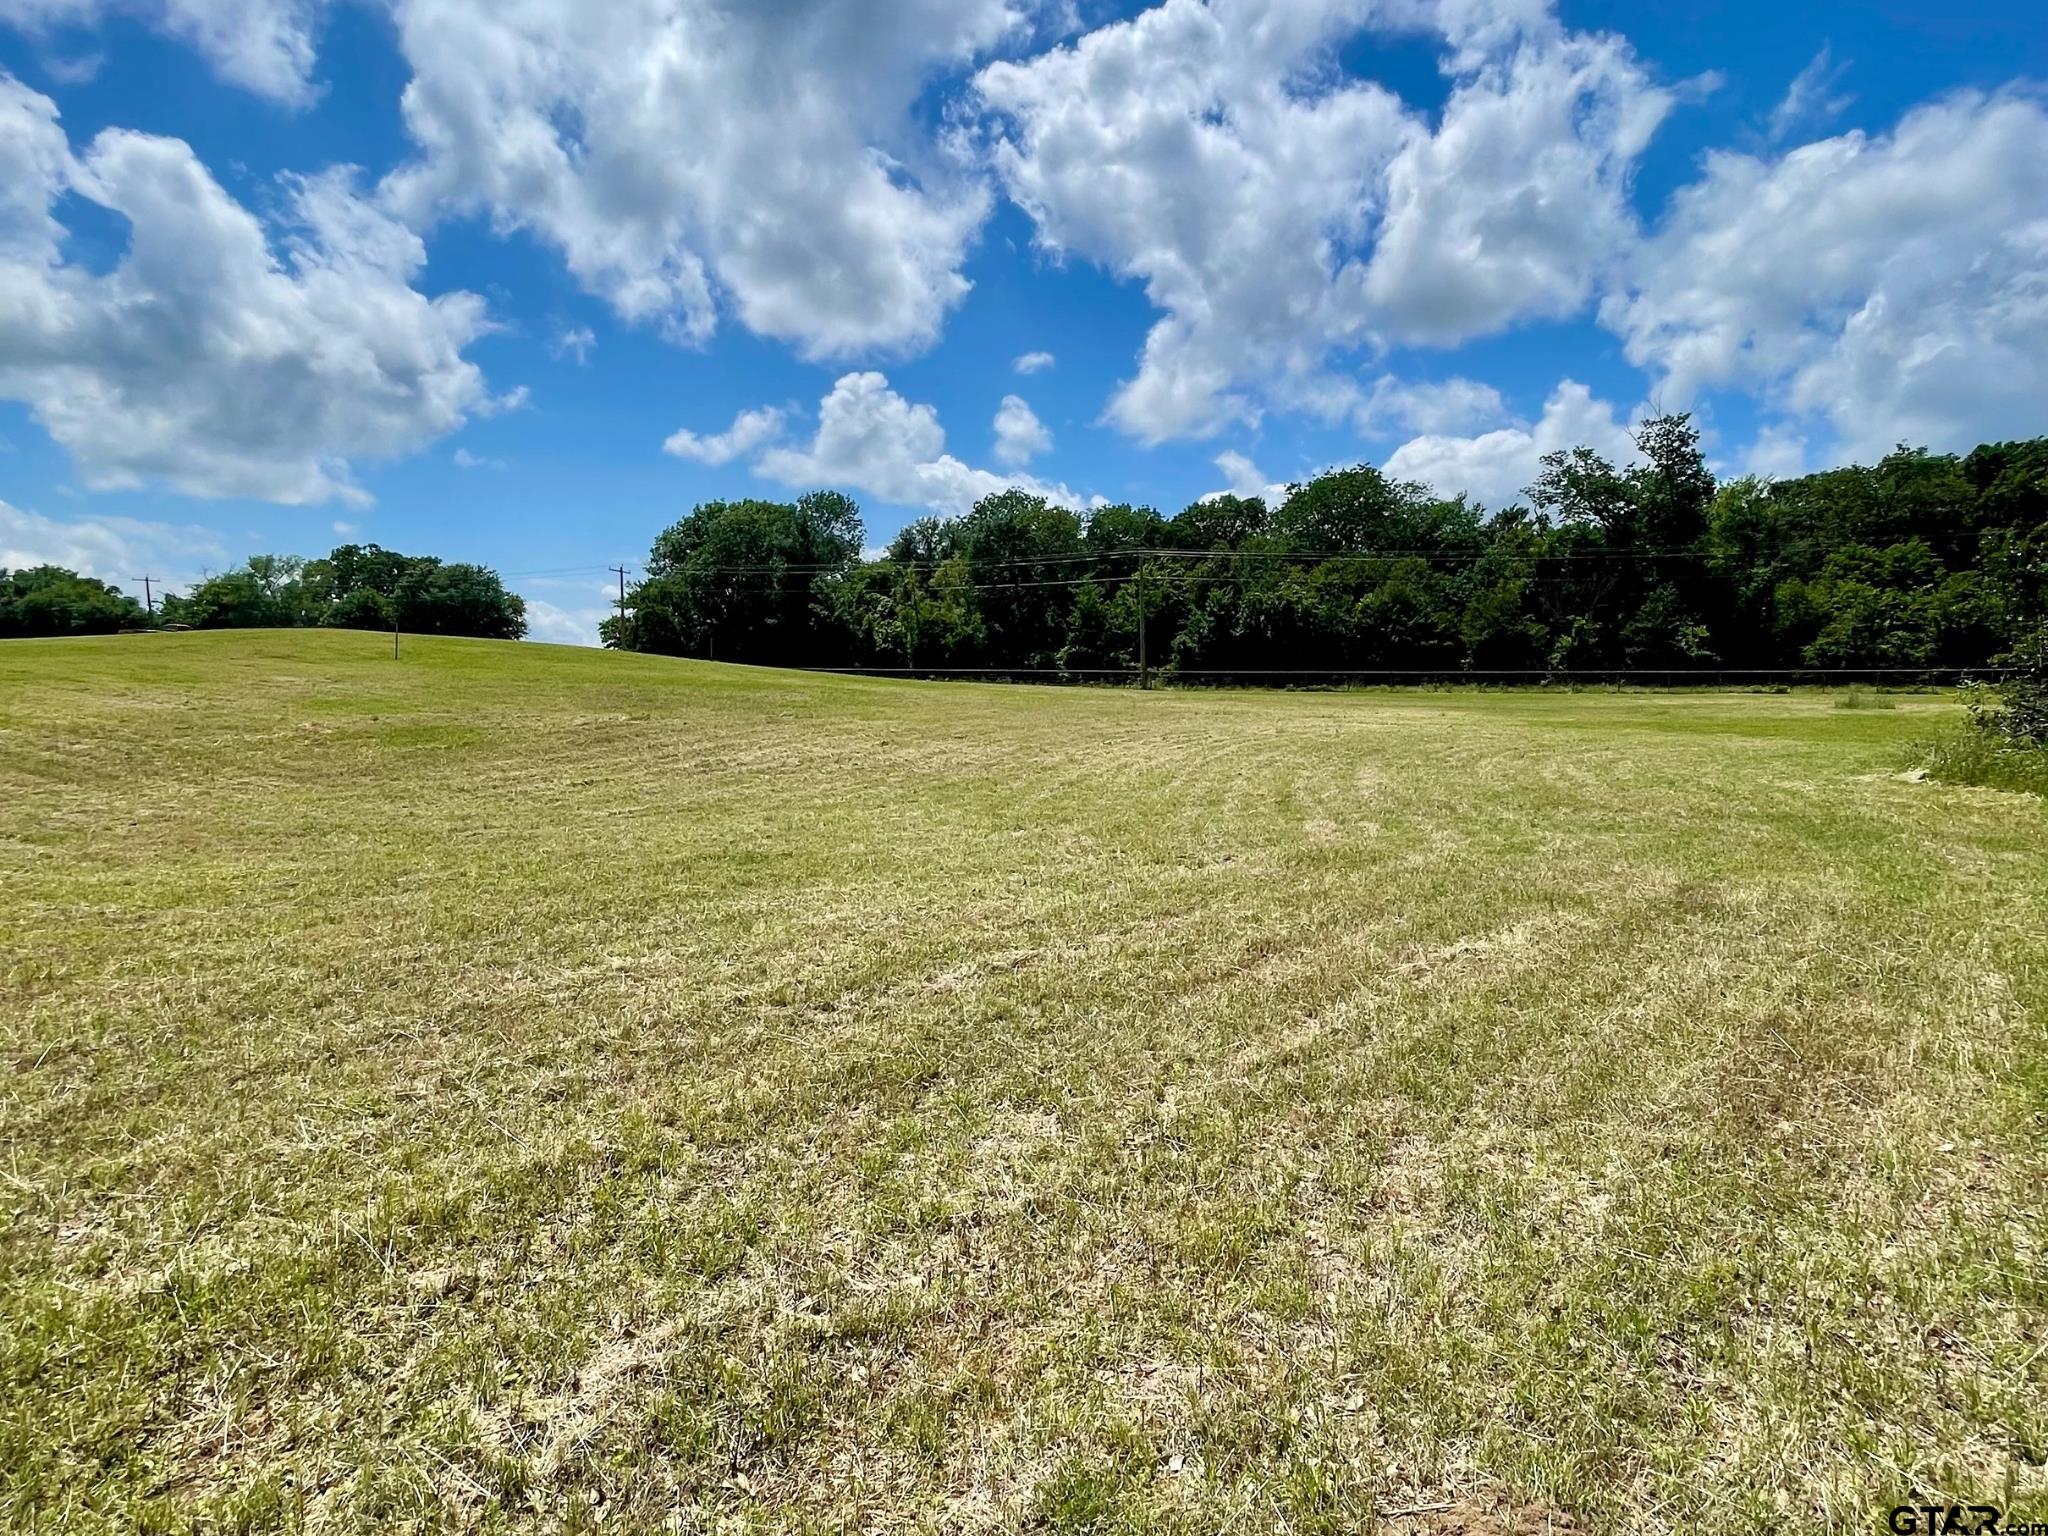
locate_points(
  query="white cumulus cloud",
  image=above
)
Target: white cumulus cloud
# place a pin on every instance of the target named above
(1516, 204)
(1278, 211)
(1493, 468)
(1880, 288)
(1020, 435)
(687, 158)
(1777, 453)
(749, 430)
(871, 439)
(693, 156)
(553, 624)
(1246, 479)
(815, 172)
(263, 45)
(115, 549)
(210, 359)
(1449, 405)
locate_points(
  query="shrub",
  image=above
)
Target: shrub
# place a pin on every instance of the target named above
(1971, 754)
(2004, 745)
(2016, 710)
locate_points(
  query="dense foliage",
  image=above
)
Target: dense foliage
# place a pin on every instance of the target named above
(743, 575)
(2005, 743)
(358, 586)
(1920, 563)
(49, 600)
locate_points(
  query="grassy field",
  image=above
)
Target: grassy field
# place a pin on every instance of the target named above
(525, 1089)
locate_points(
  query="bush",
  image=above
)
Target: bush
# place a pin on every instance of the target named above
(1971, 754)
(2005, 743)
(2016, 710)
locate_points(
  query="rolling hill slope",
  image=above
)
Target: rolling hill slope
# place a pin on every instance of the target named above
(517, 1087)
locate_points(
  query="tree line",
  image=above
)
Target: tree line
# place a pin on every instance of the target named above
(357, 586)
(1922, 563)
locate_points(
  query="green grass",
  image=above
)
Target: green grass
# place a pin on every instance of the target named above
(1965, 754)
(524, 1089)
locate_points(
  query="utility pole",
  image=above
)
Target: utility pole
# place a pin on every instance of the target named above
(1144, 656)
(148, 592)
(916, 619)
(622, 605)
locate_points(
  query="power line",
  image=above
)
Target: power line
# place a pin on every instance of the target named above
(1796, 548)
(148, 592)
(560, 570)
(764, 582)
(1504, 553)
(1731, 675)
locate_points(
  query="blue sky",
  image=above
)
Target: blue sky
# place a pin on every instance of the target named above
(280, 273)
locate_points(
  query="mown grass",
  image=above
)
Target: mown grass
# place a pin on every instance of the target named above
(522, 1089)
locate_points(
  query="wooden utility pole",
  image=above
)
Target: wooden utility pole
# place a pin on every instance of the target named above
(148, 592)
(916, 618)
(1144, 654)
(621, 570)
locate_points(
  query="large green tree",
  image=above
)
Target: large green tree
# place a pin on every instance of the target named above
(1919, 563)
(358, 586)
(49, 600)
(749, 581)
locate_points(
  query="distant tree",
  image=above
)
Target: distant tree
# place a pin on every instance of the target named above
(1665, 631)
(1219, 522)
(363, 608)
(1346, 511)
(2021, 714)
(1021, 553)
(364, 586)
(1122, 529)
(2020, 575)
(925, 544)
(1499, 607)
(356, 587)
(1672, 489)
(1581, 489)
(49, 600)
(459, 599)
(264, 593)
(354, 570)
(1918, 562)
(1631, 582)
(750, 581)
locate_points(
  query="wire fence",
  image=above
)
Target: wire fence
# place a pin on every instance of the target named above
(1338, 677)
